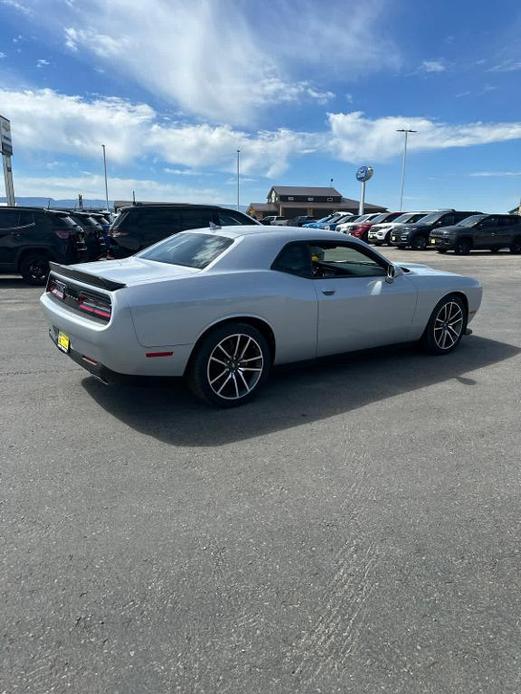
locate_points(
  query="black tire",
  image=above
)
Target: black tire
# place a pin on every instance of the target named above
(516, 246)
(243, 365)
(494, 250)
(442, 250)
(419, 243)
(34, 268)
(377, 243)
(388, 240)
(462, 247)
(432, 340)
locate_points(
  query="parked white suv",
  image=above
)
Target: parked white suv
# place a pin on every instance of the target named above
(275, 221)
(380, 234)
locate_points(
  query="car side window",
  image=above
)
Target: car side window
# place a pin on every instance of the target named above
(506, 222)
(294, 259)
(195, 219)
(225, 218)
(488, 223)
(8, 219)
(447, 220)
(342, 260)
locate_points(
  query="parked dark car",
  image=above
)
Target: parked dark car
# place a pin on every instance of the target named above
(141, 225)
(416, 236)
(480, 231)
(93, 231)
(31, 236)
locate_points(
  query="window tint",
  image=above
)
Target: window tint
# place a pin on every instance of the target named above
(26, 218)
(331, 260)
(226, 218)
(195, 219)
(447, 220)
(489, 222)
(8, 218)
(294, 259)
(507, 221)
(195, 250)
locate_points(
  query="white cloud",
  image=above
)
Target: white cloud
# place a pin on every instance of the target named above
(47, 121)
(93, 186)
(41, 62)
(2, 55)
(226, 60)
(506, 66)
(356, 138)
(495, 174)
(432, 66)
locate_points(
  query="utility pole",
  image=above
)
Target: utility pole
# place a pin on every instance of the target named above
(238, 178)
(406, 132)
(6, 149)
(105, 169)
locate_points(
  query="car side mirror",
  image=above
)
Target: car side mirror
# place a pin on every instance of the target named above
(391, 274)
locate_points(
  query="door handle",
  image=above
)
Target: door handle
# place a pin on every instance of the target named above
(328, 292)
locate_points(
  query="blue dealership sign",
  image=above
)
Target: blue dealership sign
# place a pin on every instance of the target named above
(364, 173)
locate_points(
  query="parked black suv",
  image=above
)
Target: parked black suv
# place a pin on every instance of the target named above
(416, 236)
(31, 236)
(481, 231)
(141, 225)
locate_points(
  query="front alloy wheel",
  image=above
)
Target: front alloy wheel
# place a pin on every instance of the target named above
(446, 325)
(419, 243)
(230, 365)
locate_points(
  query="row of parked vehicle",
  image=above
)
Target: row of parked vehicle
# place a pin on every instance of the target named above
(31, 237)
(443, 230)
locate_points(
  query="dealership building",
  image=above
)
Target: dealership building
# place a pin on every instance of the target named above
(292, 201)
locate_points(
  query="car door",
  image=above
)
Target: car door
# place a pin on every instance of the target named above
(8, 238)
(486, 233)
(357, 307)
(506, 231)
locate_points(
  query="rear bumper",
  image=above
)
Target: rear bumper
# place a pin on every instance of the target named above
(112, 348)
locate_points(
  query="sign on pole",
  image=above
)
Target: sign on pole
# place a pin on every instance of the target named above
(363, 174)
(6, 146)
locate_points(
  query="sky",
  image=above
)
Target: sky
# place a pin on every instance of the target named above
(308, 91)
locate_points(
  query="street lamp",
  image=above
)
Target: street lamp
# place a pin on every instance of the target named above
(105, 169)
(406, 132)
(238, 177)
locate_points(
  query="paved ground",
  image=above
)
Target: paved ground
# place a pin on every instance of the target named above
(356, 529)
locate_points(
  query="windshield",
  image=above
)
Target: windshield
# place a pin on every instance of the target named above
(195, 250)
(432, 218)
(471, 221)
(381, 217)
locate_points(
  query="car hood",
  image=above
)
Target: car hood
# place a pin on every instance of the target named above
(416, 269)
(134, 270)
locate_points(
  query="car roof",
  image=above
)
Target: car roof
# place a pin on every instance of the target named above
(282, 234)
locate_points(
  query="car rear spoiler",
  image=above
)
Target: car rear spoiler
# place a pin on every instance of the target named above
(85, 277)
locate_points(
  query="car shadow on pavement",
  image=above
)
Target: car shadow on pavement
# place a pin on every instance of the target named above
(294, 395)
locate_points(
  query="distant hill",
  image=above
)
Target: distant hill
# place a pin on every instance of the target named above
(71, 203)
(44, 202)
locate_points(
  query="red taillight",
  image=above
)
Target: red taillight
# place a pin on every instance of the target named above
(95, 306)
(55, 288)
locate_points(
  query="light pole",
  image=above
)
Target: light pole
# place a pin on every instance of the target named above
(405, 132)
(105, 169)
(238, 178)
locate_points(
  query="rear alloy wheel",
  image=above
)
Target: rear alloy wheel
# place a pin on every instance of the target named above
(462, 247)
(494, 250)
(230, 365)
(419, 243)
(446, 325)
(34, 269)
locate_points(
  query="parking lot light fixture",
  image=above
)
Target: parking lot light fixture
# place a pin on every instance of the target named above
(406, 132)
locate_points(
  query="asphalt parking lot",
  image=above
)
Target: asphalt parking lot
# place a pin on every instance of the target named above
(355, 529)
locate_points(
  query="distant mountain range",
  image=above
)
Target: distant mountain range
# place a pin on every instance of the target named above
(51, 202)
(73, 202)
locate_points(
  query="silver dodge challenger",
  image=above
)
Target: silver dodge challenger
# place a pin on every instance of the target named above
(220, 306)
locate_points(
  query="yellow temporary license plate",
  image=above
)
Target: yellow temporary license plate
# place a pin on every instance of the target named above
(63, 342)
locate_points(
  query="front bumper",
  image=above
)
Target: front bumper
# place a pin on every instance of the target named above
(441, 242)
(400, 241)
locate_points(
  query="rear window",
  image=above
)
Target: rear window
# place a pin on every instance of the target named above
(195, 250)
